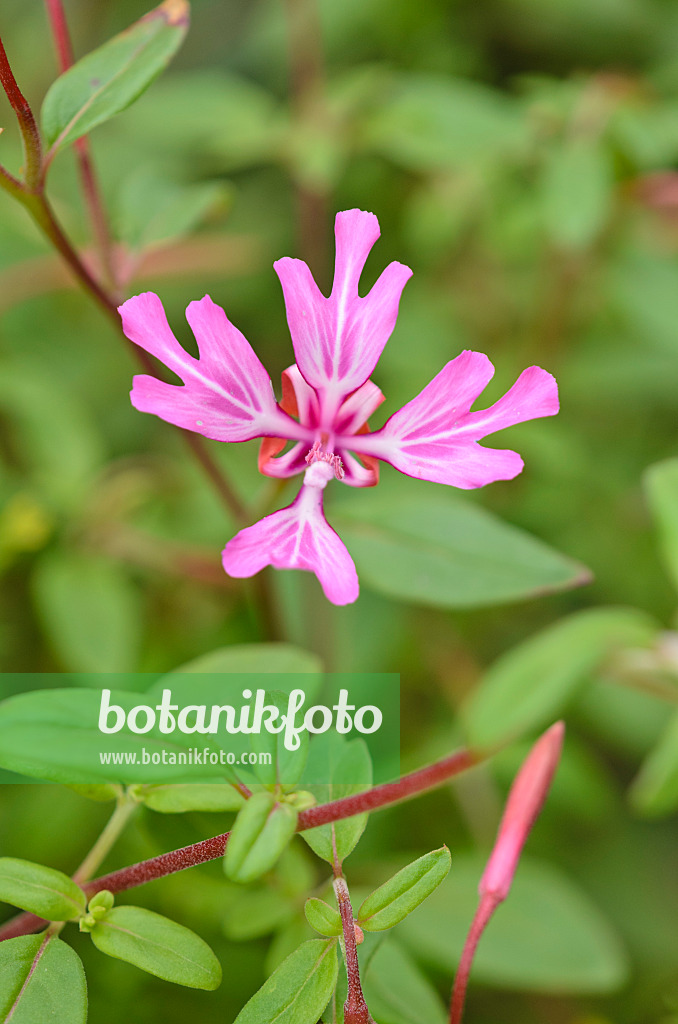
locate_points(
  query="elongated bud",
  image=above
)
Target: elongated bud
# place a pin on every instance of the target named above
(525, 800)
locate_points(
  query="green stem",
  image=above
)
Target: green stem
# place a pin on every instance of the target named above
(11, 184)
(41, 211)
(115, 825)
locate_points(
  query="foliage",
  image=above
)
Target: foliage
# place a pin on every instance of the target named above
(521, 158)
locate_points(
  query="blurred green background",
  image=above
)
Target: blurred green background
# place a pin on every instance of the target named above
(522, 158)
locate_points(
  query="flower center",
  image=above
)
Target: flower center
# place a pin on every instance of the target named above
(317, 454)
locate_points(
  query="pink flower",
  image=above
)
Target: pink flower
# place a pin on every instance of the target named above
(327, 398)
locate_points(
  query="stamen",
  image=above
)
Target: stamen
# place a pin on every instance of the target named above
(316, 454)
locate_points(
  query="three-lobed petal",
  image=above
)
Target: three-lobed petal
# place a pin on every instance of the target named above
(338, 340)
(226, 395)
(435, 436)
(296, 537)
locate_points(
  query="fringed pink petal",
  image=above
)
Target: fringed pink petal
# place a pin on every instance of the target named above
(338, 340)
(434, 437)
(533, 395)
(227, 394)
(296, 537)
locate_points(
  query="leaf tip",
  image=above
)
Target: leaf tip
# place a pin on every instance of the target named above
(175, 12)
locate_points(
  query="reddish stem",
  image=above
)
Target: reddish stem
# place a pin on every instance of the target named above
(487, 906)
(90, 187)
(355, 1007)
(27, 123)
(209, 849)
(158, 867)
(389, 792)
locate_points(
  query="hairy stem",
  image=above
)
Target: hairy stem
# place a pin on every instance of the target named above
(88, 178)
(355, 1007)
(209, 849)
(389, 792)
(24, 924)
(27, 123)
(158, 867)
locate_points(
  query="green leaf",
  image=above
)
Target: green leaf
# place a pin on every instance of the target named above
(348, 761)
(99, 793)
(409, 887)
(655, 790)
(661, 489)
(322, 917)
(54, 735)
(398, 992)
(102, 900)
(257, 911)
(298, 990)
(547, 937)
(577, 192)
(90, 611)
(158, 946)
(213, 112)
(110, 78)
(286, 766)
(261, 832)
(274, 657)
(427, 122)
(152, 210)
(54, 432)
(41, 981)
(40, 890)
(530, 686)
(180, 797)
(446, 552)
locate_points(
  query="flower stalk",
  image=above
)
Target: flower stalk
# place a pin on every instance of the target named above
(525, 800)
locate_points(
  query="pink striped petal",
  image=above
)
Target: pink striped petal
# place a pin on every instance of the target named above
(227, 394)
(338, 340)
(434, 437)
(357, 473)
(282, 466)
(296, 537)
(358, 407)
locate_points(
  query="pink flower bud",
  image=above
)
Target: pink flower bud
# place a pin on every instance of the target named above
(525, 801)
